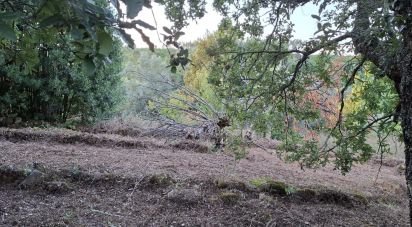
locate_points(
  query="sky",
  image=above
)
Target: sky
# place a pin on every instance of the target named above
(304, 28)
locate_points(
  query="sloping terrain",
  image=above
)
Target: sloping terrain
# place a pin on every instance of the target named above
(58, 177)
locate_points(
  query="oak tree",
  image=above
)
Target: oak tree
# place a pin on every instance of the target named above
(371, 34)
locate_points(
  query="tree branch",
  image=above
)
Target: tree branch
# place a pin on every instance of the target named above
(308, 53)
(374, 49)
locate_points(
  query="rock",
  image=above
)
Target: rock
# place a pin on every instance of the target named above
(186, 196)
(35, 178)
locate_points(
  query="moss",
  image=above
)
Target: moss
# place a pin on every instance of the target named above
(231, 184)
(258, 182)
(229, 197)
(271, 186)
(276, 187)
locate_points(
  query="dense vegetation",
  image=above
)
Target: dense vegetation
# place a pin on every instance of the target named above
(47, 75)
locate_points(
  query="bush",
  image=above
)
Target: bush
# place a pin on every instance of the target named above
(46, 83)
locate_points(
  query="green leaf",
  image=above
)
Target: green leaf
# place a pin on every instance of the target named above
(326, 25)
(184, 61)
(183, 53)
(173, 69)
(77, 34)
(315, 16)
(89, 28)
(178, 34)
(88, 66)
(7, 32)
(167, 30)
(145, 25)
(2, 58)
(52, 20)
(105, 43)
(133, 7)
(10, 15)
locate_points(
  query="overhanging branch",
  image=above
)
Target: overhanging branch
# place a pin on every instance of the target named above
(308, 53)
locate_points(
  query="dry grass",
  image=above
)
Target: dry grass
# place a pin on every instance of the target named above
(120, 185)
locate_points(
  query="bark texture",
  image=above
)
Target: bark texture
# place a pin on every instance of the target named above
(403, 9)
(406, 117)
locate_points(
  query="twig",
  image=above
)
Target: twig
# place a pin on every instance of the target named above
(381, 153)
(137, 182)
(184, 89)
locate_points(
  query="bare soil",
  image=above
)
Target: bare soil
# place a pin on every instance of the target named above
(92, 179)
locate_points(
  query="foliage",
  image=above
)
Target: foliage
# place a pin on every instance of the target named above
(296, 90)
(90, 25)
(196, 76)
(42, 76)
(371, 94)
(371, 98)
(249, 87)
(237, 146)
(180, 11)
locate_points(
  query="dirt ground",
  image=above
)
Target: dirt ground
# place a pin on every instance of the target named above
(91, 179)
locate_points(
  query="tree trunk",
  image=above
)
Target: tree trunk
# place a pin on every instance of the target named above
(396, 62)
(406, 119)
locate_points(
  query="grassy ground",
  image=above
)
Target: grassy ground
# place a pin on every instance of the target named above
(113, 179)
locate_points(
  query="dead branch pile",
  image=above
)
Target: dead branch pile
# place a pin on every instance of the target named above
(198, 118)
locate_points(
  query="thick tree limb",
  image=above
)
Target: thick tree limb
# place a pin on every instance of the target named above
(369, 45)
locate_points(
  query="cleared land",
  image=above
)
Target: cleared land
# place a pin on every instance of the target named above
(101, 179)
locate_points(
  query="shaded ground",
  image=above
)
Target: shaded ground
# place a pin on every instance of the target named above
(114, 180)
